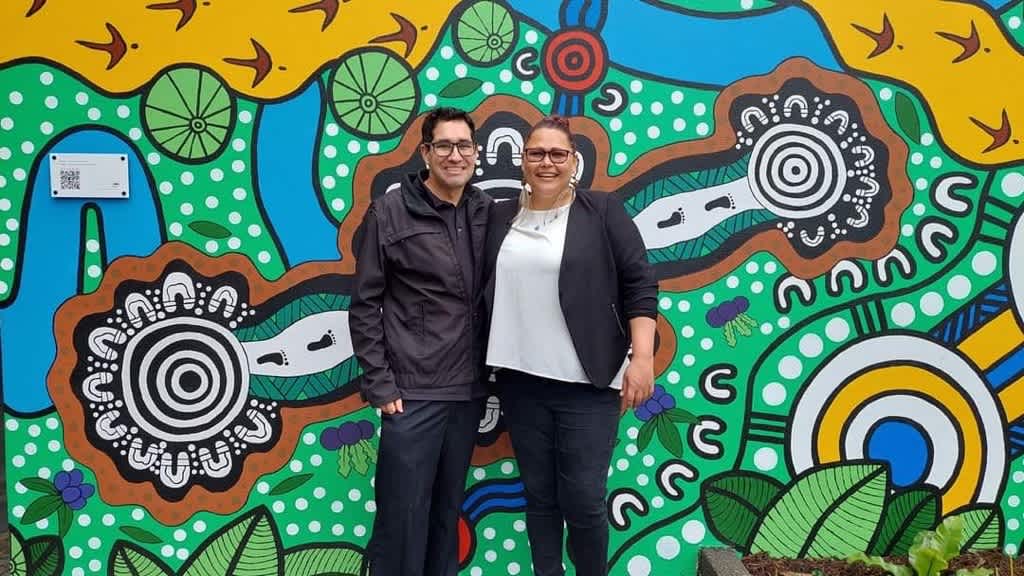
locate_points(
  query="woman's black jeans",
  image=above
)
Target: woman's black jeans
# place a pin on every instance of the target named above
(563, 434)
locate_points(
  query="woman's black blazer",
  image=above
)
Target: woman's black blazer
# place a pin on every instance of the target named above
(605, 278)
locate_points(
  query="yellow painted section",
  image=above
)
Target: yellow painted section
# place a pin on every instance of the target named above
(995, 339)
(293, 41)
(919, 50)
(926, 384)
(1012, 399)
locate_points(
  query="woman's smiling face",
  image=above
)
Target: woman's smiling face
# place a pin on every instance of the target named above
(546, 177)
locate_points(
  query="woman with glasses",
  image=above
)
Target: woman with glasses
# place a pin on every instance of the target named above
(572, 307)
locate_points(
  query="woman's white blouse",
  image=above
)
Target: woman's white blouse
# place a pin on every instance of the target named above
(528, 331)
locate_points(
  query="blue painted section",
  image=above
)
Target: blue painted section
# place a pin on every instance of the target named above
(689, 48)
(503, 504)
(1006, 370)
(583, 13)
(1016, 438)
(485, 491)
(997, 4)
(50, 264)
(986, 306)
(285, 148)
(904, 447)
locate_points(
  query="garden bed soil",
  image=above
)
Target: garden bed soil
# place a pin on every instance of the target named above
(763, 565)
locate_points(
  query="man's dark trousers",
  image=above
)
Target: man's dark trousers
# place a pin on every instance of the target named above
(422, 462)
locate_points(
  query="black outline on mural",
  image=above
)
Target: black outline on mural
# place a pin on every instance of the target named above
(929, 445)
(1018, 310)
(314, 172)
(87, 208)
(730, 15)
(723, 429)
(625, 508)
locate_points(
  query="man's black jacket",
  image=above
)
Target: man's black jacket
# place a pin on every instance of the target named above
(416, 332)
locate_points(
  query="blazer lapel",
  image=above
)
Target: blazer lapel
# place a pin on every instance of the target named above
(497, 228)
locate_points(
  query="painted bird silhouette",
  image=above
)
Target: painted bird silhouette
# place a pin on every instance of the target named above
(884, 38)
(328, 7)
(970, 43)
(406, 34)
(1000, 136)
(116, 48)
(261, 63)
(186, 7)
(36, 6)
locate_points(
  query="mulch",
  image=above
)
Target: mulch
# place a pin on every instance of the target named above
(763, 565)
(5, 551)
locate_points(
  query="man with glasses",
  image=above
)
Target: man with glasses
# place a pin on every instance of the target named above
(416, 325)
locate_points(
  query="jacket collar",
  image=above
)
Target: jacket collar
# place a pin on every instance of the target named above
(416, 195)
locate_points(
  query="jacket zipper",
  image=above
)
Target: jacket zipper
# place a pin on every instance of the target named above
(618, 321)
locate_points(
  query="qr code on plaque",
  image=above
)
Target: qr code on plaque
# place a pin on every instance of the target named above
(70, 180)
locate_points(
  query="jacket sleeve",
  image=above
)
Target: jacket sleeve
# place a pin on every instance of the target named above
(637, 285)
(365, 320)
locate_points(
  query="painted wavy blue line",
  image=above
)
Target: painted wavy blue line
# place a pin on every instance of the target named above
(503, 504)
(49, 270)
(285, 148)
(481, 492)
(700, 49)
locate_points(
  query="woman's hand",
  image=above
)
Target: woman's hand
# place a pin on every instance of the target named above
(637, 382)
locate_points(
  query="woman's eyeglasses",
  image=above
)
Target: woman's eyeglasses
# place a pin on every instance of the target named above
(557, 155)
(445, 148)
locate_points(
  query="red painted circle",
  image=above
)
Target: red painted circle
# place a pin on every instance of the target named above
(575, 60)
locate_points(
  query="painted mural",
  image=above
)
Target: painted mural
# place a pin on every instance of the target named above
(831, 194)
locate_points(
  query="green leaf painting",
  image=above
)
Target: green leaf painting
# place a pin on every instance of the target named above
(324, 561)
(906, 117)
(461, 87)
(288, 484)
(248, 547)
(983, 528)
(144, 536)
(735, 501)
(126, 559)
(832, 511)
(905, 516)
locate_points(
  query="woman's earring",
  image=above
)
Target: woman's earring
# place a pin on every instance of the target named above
(427, 165)
(573, 182)
(527, 188)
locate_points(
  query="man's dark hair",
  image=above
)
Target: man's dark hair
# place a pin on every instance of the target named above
(446, 114)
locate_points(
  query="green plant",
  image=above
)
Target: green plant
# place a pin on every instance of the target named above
(929, 554)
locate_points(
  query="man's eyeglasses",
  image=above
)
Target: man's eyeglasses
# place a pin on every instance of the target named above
(445, 148)
(557, 155)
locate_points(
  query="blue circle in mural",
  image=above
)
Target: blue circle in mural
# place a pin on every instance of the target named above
(904, 446)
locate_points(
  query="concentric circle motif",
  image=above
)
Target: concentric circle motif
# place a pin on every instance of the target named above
(164, 384)
(373, 93)
(796, 171)
(485, 32)
(189, 114)
(812, 163)
(575, 60)
(907, 391)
